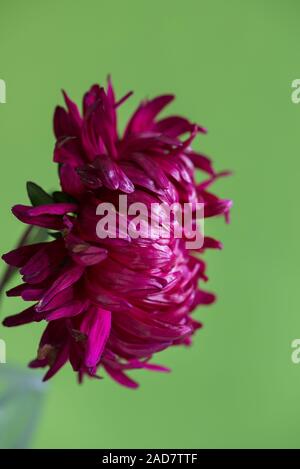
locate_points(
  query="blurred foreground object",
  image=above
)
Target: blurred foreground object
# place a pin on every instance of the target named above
(21, 398)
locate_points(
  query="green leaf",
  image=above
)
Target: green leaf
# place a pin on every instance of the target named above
(55, 234)
(37, 195)
(59, 196)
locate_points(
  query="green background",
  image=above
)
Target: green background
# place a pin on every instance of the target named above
(231, 64)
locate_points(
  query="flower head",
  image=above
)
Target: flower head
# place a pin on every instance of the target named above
(113, 302)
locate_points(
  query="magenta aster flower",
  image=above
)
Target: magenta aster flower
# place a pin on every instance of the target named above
(113, 302)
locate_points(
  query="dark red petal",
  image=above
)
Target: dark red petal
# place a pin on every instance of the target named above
(70, 181)
(121, 378)
(143, 118)
(25, 317)
(69, 276)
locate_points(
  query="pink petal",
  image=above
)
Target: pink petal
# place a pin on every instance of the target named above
(96, 325)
